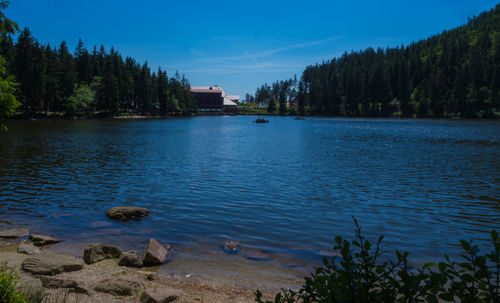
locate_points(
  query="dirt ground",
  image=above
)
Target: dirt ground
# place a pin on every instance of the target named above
(193, 289)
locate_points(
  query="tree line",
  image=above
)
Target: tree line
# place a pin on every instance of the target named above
(54, 80)
(453, 74)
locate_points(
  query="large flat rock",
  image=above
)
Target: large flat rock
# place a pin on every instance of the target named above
(14, 233)
(51, 264)
(125, 213)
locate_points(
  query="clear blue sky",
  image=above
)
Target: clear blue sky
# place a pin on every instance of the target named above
(239, 44)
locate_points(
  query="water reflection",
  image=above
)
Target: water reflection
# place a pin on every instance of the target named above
(285, 188)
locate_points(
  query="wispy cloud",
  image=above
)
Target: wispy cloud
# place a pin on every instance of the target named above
(263, 67)
(267, 53)
(196, 52)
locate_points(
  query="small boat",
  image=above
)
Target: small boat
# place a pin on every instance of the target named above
(261, 120)
(299, 118)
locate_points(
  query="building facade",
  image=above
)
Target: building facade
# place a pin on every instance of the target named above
(213, 100)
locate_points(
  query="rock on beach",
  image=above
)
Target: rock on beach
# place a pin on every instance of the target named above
(160, 295)
(29, 249)
(129, 259)
(155, 253)
(13, 233)
(119, 287)
(51, 263)
(40, 240)
(98, 252)
(126, 213)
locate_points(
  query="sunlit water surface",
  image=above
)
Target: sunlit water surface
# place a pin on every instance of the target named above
(283, 189)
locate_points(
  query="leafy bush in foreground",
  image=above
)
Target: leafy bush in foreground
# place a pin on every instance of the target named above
(361, 275)
(8, 291)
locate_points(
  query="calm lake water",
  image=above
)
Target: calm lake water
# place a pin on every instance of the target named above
(283, 189)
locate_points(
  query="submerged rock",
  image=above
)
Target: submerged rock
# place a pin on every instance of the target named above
(50, 264)
(14, 233)
(40, 240)
(129, 259)
(257, 255)
(160, 295)
(125, 213)
(231, 247)
(98, 252)
(119, 287)
(155, 253)
(29, 249)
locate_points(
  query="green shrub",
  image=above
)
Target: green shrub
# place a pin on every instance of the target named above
(8, 290)
(361, 275)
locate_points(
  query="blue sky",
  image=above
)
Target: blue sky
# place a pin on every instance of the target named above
(239, 44)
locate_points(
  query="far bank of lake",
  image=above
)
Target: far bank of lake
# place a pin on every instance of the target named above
(283, 189)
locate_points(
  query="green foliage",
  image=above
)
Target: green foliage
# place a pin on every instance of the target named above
(7, 26)
(8, 85)
(8, 291)
(8, 102)
(82, 99)
(362, 275)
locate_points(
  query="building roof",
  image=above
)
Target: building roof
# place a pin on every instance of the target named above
(233, 97)
(208, 89)
(228, 102)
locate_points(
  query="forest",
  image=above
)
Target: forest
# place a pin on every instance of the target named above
(54, 81)
(455, 74)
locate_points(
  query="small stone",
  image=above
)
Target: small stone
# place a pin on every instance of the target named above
(125, 213)
(155, 253)
(129, 259)
(40, 240)
(231, 247)
(197, 300)
(119, 287)
(98, 252)
(14, 233)
(29, 249)
(80, 290)
(160, 295)
(50, 264)
(49, 282)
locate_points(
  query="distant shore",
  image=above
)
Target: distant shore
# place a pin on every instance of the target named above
(62, 116)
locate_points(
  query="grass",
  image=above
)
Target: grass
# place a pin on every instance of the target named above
(9, 292)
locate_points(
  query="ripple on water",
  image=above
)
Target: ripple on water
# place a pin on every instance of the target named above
(284, 190)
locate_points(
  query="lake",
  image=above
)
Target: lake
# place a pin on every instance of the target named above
(283, 189)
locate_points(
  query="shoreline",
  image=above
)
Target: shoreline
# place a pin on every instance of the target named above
(58, 116)
(194, 287)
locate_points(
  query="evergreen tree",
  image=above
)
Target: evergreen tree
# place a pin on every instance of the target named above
(67, 78)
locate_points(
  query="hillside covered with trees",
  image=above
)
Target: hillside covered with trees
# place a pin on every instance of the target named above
(54, 80)
(453, 74)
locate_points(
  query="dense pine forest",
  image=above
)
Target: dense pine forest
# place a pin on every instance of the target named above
(55, 81)
(454, 74)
